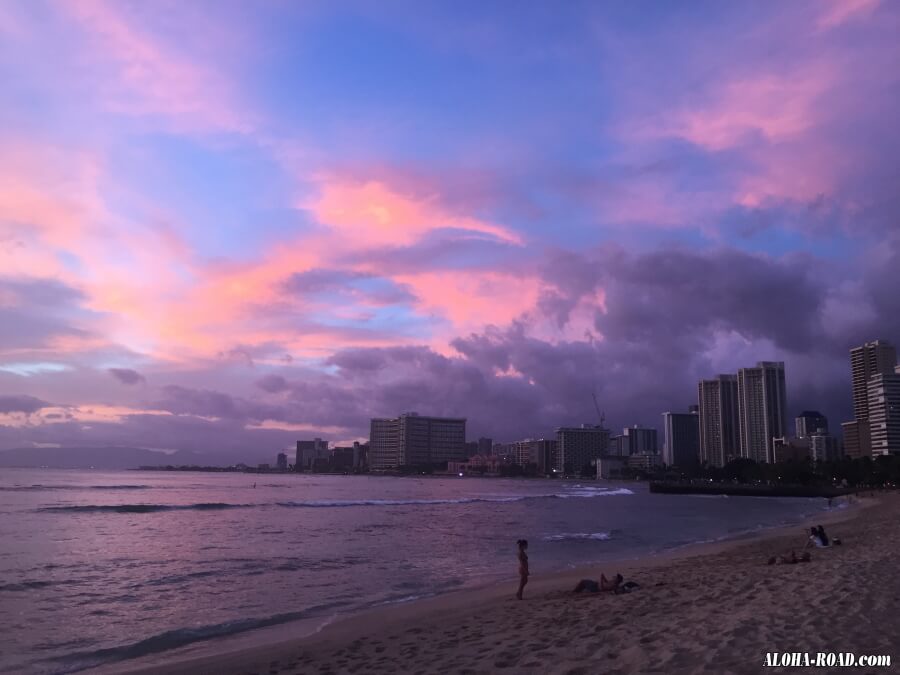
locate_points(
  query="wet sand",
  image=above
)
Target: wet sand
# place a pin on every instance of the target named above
(709, 608)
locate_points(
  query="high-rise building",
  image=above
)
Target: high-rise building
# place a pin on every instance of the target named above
(281, 461)
(578, 448)
(762, 409)
(681, 438)
(641, 440)
(309, 452)
(809, 422)
(618, 446)
(857, 440)
(541, 453)
(878, 357)
(790, 449)
(485, 445)
(416, 440)
(872, 358)
(884, 413)
(718, 399)
(824, 447)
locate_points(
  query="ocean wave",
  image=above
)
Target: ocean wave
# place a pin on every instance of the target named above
(181, 637)
(583, 493)
(327, 503)
(143, 508)
(40, 488)
(593, 536)
(25, 585)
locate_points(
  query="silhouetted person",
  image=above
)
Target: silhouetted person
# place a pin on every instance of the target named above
(815, 539)
(523, 566)
(591, 586)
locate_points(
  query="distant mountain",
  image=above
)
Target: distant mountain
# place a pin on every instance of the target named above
(98, 458)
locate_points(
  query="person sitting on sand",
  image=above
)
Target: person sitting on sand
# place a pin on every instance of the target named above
(824, 537)
(814, 539)
(523, 566)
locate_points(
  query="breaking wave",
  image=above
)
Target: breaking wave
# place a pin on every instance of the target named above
(327, 503)
(583, 536)
(583, 493)
(143, 508)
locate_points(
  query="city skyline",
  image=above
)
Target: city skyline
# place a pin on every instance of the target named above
(226, 226)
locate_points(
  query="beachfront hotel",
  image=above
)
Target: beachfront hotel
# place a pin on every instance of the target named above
(580, 447)
(416, 440)
(681, 438)
(762, 409)
(869, 360)
(884, 413)
(718, 400)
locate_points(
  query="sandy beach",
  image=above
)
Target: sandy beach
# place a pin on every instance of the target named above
(709, 608)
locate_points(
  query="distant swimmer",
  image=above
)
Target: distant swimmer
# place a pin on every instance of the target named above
(523, 566)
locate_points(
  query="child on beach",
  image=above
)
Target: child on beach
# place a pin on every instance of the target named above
(523, 566)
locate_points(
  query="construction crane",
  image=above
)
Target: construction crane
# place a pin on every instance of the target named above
(600, 414)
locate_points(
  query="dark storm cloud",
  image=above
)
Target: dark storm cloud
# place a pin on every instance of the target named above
(126, 375)
(681, 293)
(21, 404)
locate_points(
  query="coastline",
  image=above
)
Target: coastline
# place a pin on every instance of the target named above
(378, 639)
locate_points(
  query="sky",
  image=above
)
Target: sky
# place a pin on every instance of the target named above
(225, 225)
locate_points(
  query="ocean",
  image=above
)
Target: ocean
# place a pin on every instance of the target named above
(98, 567)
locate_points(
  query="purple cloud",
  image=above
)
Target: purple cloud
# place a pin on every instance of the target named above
(272, 383)
(126, 375)
(22, 404)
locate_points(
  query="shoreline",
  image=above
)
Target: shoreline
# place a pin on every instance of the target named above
(256, 650)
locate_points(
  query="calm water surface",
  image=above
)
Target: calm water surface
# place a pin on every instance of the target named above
(97, 567)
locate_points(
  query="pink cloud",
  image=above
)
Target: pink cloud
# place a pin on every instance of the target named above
(142, 73)
(772, 107)
(839, 12)
(371, 213)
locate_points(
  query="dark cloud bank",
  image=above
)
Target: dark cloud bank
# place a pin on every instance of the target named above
(671, 317)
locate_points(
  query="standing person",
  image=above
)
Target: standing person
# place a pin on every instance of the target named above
(523, 566)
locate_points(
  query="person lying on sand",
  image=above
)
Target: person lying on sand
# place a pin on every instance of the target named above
(615, 585)
(591, 586)
(792, 560)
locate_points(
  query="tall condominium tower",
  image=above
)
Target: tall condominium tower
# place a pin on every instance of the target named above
(884, 413)
(681, 438)
(416, 440)
(718, 400)
(871, 358)
(762, 412)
